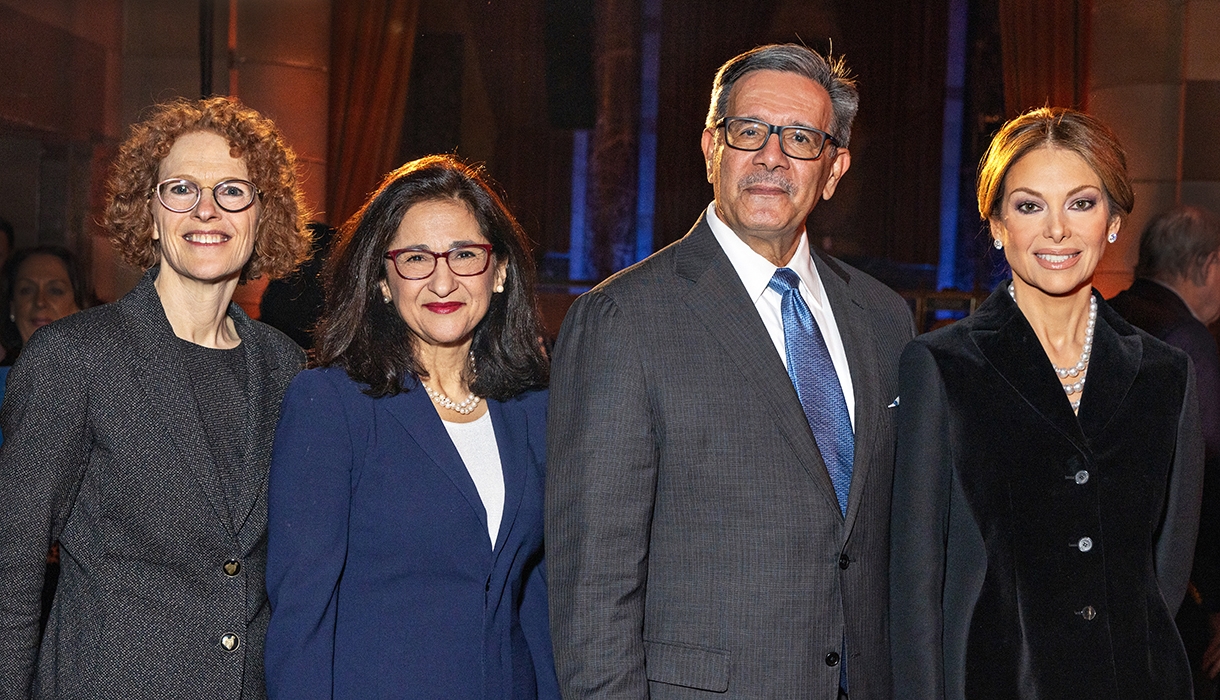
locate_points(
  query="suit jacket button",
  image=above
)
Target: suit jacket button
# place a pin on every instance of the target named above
(844, 562)
(1088, 612)
(832, 659)
(1084, 544)
(230, 641)
(1082, 477)
(232, 567)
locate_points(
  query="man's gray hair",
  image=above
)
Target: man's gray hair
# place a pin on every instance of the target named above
(1177, 244)
(791, 58)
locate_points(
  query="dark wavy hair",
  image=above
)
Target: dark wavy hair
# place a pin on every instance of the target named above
(10, 338)
(282, 243)
(368, 338)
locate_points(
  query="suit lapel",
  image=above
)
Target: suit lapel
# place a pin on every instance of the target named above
(719, 300)
(1117, 357)
(860, 346)
(508, 421)
(1012, 348)
(261, 366)
(169, 394)
(413, 410)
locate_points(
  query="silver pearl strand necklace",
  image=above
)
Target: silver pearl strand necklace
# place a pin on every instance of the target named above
(1082, 365)
(466, 407)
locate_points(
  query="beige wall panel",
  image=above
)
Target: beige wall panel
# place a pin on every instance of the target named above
(149, 80)
(1135, 41)
(289, 32)
(296, 98)
(1202, 194)
(1203, 40)
(1145, 118)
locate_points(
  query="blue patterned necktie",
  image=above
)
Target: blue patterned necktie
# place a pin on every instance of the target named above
(817, 384)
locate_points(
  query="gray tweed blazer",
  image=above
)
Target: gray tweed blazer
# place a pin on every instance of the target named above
(694, 545)
(161, 591)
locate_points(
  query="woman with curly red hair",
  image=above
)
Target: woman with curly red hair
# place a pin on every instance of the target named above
(138, 434)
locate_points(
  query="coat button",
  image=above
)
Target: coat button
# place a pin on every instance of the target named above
(232, 567)
(230, 641)
(1088, 612)
(844, 562)
(832, 659)
(1082, 477)
(1085, 544)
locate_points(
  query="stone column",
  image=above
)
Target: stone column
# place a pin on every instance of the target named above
(614, 151)
(281, 65)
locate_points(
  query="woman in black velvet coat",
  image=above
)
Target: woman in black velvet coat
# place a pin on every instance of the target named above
(1044, 520)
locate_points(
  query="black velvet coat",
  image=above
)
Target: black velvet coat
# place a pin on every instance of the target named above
(1037, 553)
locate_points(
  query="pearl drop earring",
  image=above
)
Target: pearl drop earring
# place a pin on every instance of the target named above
(1112, 237)
(996, 242)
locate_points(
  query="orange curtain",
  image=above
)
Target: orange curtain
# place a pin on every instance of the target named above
(1045, 45)
(370, 57)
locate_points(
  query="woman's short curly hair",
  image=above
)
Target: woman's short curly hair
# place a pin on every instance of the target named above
(282, 241)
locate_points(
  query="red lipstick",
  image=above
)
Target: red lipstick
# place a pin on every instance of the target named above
(444, 307)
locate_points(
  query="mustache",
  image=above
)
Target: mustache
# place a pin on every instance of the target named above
(767, 178)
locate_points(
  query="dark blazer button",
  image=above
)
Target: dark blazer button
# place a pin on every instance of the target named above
(832, 659)
(1082, 477)
(1088, 612)
(230, 641)
(232, 567)
(844, 562)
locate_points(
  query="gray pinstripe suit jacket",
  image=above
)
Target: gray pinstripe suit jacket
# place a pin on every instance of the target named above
(105, 451)
(694, 544)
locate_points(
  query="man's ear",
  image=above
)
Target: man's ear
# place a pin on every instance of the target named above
(709, 150)
(838, 168)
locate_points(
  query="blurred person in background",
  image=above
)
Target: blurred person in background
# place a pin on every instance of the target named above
(1175, 296)
(294, 304)
(42, 284)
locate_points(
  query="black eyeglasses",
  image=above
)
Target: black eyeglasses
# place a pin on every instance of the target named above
(180, 195)
(464, 261)
(800, 142)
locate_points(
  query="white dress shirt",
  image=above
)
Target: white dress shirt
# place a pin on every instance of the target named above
(756, 272)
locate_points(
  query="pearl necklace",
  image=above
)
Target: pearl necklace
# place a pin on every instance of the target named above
(1082, 365)
(464, 408)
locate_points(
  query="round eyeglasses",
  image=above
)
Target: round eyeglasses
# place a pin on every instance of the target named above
(180, 195)
(800, 142)
(464, 261)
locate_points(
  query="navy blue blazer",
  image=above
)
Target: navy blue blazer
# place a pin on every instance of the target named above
(382, 578)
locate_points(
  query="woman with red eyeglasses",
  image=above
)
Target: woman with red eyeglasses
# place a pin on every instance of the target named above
(405, 523)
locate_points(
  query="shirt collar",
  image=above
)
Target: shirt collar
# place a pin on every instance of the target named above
(756, 271)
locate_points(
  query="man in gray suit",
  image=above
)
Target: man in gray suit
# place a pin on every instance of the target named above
(721, 429)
